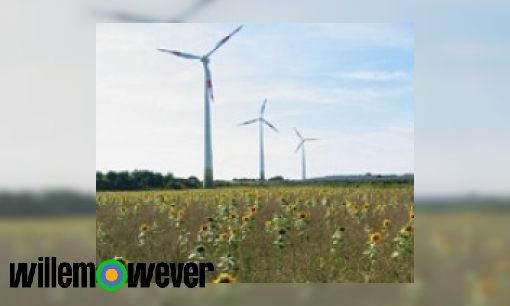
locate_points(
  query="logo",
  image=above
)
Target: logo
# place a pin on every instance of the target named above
(111, 275)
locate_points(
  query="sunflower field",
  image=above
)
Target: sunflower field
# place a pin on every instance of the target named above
(266, 235)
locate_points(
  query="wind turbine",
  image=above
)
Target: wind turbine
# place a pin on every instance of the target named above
(302, 146)
(261, 122)
(208, 93)
(123, 17)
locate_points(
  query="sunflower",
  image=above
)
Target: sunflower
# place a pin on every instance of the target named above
(342, 229)
(143, 228)
(253, 209)
(246, 219)
(386, 223)
(408, 230)
(181, 213)
(281, 232)
(233, 215)
(268, 223)
(224, 278)
(204, 228)
(375, 237)
(122, 209)
(291, 208)
(122, 260)
(411, 215)
(200, 249)
(302, 215)
(223, 236)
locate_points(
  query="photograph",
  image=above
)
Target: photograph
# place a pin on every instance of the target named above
(268, 152)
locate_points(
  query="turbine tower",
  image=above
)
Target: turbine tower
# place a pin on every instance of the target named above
(208, 94)
(261, 122)
(302, 146)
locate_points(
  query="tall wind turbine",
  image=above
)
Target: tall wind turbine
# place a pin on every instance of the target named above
(302, 147)
(208, 94)
(261, 122)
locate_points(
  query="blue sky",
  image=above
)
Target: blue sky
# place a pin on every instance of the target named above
(350, 85)
(461, 91)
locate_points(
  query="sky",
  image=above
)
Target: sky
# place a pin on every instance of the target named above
(350, 85)
(48, 110)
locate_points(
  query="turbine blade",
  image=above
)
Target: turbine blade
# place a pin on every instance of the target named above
(263, 109)
(223, 41)
(181, 54)
(208, 81)
(310, 139)
(298, 134)
(248, 122)
(123, 17)
(300, 145)
(196, 6)
(270, 125)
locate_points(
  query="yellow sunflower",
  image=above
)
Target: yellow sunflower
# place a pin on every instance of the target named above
(376, 237)
(302, 215)
(223, 236)
(143, 228)
(408, 230)
(122, 260)
(224, 278)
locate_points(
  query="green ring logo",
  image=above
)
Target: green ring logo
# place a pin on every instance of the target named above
(111, 275)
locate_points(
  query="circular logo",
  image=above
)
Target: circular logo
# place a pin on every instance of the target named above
(111, 275)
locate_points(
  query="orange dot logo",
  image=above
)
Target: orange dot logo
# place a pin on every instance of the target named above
(111, 275)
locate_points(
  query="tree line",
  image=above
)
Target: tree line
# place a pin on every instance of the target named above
(142, 180)
(149, 180)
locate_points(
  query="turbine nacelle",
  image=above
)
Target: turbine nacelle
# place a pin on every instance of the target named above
(303, 140)
(261, 118)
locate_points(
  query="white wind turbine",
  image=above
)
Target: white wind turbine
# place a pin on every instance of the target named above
(208, 93)
(261, 122)
(302, 146)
